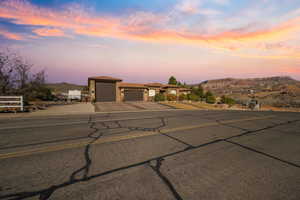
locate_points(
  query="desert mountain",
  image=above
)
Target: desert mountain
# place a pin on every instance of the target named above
(277, 91)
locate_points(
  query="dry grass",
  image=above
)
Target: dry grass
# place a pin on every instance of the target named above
(179, 105)
(265, 107)
(206, 106)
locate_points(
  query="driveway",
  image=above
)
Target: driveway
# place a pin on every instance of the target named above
(128, 106)
(72, 109)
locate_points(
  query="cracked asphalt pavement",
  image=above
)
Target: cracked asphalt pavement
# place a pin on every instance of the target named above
(180, 154)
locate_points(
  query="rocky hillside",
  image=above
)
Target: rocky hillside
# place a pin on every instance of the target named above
(277, 91)
(231, 85)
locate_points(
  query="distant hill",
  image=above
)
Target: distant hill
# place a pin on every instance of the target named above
(64, 87)
(277, 91)
(230, 85)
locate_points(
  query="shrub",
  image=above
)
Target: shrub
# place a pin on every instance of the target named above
(159, 97)
(209, 94)
(198, 91)
(227, 100)
(210, 99)
(193, 97)
(171, 97)
(183, 97)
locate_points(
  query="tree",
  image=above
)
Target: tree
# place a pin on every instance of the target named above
(6, 73)
(22, 72)
(17, 78)
(227, 100)
(198, 91)
(208, 94)
(172, 81)
(210, 98)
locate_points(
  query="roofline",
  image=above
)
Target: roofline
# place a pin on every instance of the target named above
(105, 79)
(126, 86)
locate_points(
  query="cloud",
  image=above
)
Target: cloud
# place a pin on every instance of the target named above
(209, 12)
(222, 2)
(188, 6)
(23, 12)
(10, 35)
(147, 26)
(46, 32)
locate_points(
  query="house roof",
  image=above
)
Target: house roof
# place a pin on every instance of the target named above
(185, 89)
(106, 78)
(170, 86)
(154, 84)
(131, 85)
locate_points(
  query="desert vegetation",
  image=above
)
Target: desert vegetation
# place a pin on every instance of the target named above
(17, 78)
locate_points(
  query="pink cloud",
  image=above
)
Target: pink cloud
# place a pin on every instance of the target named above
(143, 26)
(188, 6)
(46, 32)
(10, 35)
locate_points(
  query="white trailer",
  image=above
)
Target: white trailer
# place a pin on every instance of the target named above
(74, 95)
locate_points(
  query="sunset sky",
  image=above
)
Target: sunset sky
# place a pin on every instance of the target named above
(150, 40)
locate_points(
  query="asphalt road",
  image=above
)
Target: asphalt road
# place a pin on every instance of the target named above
(152, 155)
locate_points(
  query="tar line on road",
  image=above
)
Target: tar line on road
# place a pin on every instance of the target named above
(120, 138)
(108, 139)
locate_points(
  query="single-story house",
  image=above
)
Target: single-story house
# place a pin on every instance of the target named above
(109, 89)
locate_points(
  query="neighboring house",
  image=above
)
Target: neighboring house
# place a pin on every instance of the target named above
(74, 95)
(109, 89)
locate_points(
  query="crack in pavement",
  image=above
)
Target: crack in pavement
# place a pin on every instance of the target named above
(164, 124)
(156, 168)
(117, 122)
(262, 129)
(88, 160)
(262, 153)
(231, 126)
(44, 194)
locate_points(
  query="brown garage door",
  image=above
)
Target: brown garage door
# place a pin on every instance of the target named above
(105, 91)
(134, 95)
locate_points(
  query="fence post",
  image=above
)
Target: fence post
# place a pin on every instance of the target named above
(22, 104)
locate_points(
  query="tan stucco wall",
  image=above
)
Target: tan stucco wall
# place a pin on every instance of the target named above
(92, 89)
(119, 95)
(146, 95)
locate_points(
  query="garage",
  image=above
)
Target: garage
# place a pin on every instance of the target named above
(105, 91)
(133, 95)
(103, 88)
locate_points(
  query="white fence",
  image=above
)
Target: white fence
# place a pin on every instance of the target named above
(11, 102)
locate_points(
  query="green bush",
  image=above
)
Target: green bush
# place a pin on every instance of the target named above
(159, 97)
(171, 97)
(210, 99)
(198, 91)
(183, 97)
(209, 94)
(193, 97)
(227, 100)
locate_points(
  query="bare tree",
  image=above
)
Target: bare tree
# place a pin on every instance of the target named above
(22, 70)
(6, 73)
(16, 77)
